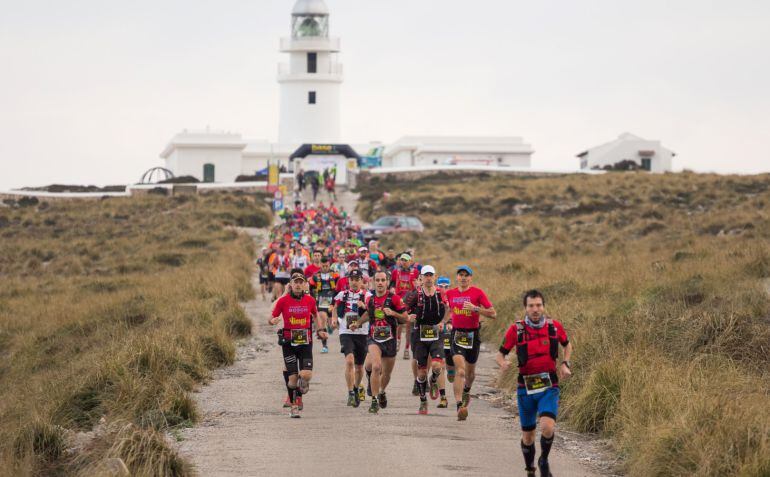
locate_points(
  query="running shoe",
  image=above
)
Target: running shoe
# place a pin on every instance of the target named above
(298, 401)
(294, 413)
(352, 399)
(287, 402)
(443, 403)
(374, 407)
(462, 413)
(362, 394)
(383, 400)
(450, 375)
(530, 471)
(303, 386)
(423, 408)
(416, 388)
(406, 353)
(545, 468)
(356, 400)
(324, 350)
(433, 390)
(466, 398)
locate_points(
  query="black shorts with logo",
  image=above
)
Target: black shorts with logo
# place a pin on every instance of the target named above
(424, 349)
(355, 345)
(388, 348)
(471, 354)
(298, 357)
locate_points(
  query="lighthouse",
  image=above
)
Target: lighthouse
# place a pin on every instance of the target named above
(310, 81)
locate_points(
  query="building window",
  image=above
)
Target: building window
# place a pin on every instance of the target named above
(646, 164)
(208, 172)
(312, 62)
(311, 97)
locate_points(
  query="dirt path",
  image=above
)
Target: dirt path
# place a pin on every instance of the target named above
(245, 431)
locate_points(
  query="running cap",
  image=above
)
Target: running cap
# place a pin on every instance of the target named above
(465, 268)
(296, 276)
(405, 256)
(356, 274)
(443, 281)
(427, 269)
(363, 249)
(353, 263)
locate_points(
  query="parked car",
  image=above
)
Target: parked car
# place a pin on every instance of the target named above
(391, 224)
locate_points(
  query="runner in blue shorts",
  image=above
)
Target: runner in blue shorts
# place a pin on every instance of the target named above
(537, 338)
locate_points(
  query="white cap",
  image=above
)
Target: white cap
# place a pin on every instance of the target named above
(427, 269)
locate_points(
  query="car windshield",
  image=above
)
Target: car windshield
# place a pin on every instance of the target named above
(385, 222)
(413, 222)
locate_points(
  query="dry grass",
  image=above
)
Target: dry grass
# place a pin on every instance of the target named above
(113, 310)
(658, 278)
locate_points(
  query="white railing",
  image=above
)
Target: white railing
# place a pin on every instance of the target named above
(284, 69)
(310, 44)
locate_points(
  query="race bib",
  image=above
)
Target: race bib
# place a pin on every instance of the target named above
(382, 334)
(464, 339)
(300, 337)
(324, 302)
(428, 332)
(350, 318)
(447, 342)
(537, 383)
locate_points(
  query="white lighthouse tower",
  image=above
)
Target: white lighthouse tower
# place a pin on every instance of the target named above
(310, 82)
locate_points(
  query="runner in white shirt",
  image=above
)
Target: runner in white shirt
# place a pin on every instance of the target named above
(348, 307)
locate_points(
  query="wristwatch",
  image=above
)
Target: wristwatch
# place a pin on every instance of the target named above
(567, 363)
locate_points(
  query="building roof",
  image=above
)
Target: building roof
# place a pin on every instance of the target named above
(460, 145)
(625, 137)
(310, 7)
(203, 139)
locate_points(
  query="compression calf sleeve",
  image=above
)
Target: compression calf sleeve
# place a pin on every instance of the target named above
(529, 454)
(422, 385)
(545, 446)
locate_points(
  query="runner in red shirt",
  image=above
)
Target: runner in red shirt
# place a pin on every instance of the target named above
(315, 265)
(297, 310)
(466, 304)
(536, 339)
(402, 281)
(384, 311)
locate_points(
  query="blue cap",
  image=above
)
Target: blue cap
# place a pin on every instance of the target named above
(465, 268)
(443, 281)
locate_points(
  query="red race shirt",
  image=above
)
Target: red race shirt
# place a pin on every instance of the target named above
(538, 347)
(311, 270)
(465, 319)
(297, 314)
(379, 301)
(403, 280)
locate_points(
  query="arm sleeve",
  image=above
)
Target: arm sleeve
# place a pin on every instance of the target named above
(509, 340)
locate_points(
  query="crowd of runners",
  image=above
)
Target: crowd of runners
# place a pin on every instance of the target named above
(324, 278)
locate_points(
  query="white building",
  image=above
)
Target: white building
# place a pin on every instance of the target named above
(310, 85)
(648, 154)
(457, 150)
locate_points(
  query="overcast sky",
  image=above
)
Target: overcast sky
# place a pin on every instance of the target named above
(91, 91)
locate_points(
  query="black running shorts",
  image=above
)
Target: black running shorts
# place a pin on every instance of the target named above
(471, 354)
(424, 349)
(355, 345)
(298, 357)
(388, 348)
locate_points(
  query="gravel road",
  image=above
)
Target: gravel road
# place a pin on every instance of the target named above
(246, 432)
